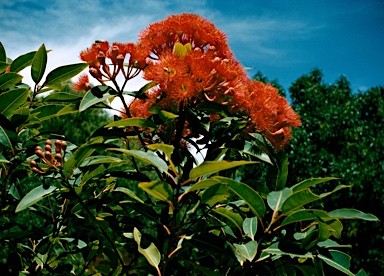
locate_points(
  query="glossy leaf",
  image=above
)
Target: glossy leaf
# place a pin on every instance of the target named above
(303, 215)
(215, 194)
(3, 55)
(77, 159)
(282, 170)
(151, 253)
(167, 117)
(90, 99)
(167, 150)
(3, 66)
(203, 184)
(6, 137)
(39, 64)
(130, 122)
(335, 264)
(249, 195)
(63, 73)
(250, 227)
(34, 196)
(12, 100)
(62, 97)
(352, 214)
(211, 167)
(234, 218)
(22, 62)
(147, 157)
(160, 190)
(276, 199)
(310, 182)
(9, 80)
(93, 173)
(47, 112)
(129, 193)
(298, 199)
(248, 250)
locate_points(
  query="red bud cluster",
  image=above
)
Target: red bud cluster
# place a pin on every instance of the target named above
(46, 156)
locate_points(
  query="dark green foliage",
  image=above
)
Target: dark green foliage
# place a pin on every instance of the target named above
(342, 136)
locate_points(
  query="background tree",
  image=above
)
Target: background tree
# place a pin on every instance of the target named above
(342, 137)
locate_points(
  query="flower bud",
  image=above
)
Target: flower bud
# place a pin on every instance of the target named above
(57, 146)
(48, 142)
(33, 163)
(36, 170)
(47, 147)
(39, 153)
(48, 156)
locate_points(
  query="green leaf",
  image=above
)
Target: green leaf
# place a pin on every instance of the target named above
(34, 196)
(90, 99)
(203, 184)
(147, 157)
(249, 195)
(22, 62)
(2, 158)
(3, 55)
(298, 199)
(76, 159)
(275, 199)
(151, 253)
(250, 227)
(234, 219)
(352, 214)
(335, 264)
(101, 159)
(128, 192)
(6, 138)
(141, 93)
(3, 66)
(39, 64)
(282, 170)
(211, 167)
(160, 190)
(62, 97)
(46, 112)
(215, 194)
(303, 215)
(12, 100)
(310, 182)
(167, 150)
(9, 80)
(248, 250)
(167, 117)
(130, 122)
(63, 73)
(91, 174)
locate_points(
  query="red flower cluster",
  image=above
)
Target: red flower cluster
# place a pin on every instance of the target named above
(190, 61)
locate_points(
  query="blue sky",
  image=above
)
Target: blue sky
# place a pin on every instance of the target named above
(282, 39)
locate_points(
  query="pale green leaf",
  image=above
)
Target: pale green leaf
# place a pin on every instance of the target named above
(3, 66)
(352, 214)
(131, 122)
(211, 167)
(275, 199)
(160, 190)
(90, 99)
(147, 157)
(298, 199)
(335, 264)
(250, 227)
(248, 250)
(129, 193)
(34, 196)
(151, 253)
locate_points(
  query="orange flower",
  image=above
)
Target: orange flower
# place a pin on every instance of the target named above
(82, 83)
